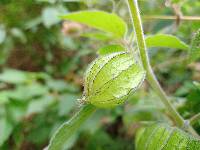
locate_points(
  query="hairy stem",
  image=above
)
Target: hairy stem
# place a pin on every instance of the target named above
(135, 15)
(194, 119)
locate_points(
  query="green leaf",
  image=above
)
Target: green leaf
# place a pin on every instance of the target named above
(4, 96)
(18, 33)
(39, 105)
(161, 136)
(108, 22)
(177, 1)
(16, 110)
(194, 53)
(28, 91)
(13, 76)
(70, 143)
(5, 130)
(2, 34)
(165, 40)
(100, 140)
(97, 36)
(50, 15)
(31, 24)
(61, 86)
(108, 49)
(197, 84)
(67, 103)
(66, 131)
(49, 1)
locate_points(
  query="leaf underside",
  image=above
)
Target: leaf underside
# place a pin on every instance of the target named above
(107, 22)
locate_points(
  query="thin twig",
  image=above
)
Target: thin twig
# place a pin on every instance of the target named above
(194, 119)
(183, 18)
(176, 7)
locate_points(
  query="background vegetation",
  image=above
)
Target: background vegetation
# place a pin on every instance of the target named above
(43, 59)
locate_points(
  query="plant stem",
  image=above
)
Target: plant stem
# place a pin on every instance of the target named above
(194, 119)
(184, 18)
(68, 128)
(134, 12)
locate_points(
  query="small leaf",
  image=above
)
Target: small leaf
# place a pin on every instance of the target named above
(39, 105)
(16, 110)
(13, 76)
(60, 86)
(197, 84)
(161, 136)
(194, 53)
(108, 22)
(178, 2)
(49, 1)
(2, 34)
(50, 15)
(65, 132)
(5, 130)
(28, 91)
(165, 40)
(31, 24)
(110, 49)
(18, 33)
(67, 103)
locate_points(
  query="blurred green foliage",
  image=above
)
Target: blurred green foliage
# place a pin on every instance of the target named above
(42, 62)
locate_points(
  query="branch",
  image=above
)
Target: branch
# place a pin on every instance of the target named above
(194, 119)
(183, 18)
